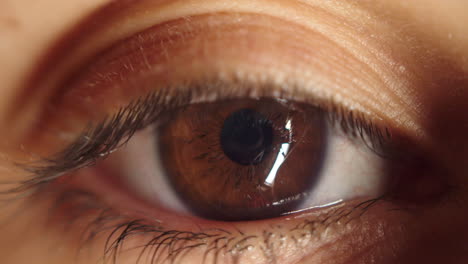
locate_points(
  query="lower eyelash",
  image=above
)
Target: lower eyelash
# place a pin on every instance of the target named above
(163, 245)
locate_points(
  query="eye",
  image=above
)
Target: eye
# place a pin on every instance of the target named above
(247, 159)
(174, 145)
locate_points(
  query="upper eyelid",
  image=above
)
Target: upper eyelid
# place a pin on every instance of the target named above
(313, 91)
(321, 85)
(108, 18)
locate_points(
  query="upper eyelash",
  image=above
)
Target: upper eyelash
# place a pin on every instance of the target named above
(97, 141)
(94, 143)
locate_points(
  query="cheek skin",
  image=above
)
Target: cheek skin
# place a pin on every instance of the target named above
(388, 236)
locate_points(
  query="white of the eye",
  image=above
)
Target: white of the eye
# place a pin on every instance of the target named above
(143, 171)
(349, 170)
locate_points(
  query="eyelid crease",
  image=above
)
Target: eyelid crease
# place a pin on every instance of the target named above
(99, 140)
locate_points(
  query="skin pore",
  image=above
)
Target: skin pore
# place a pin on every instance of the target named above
(405, 63)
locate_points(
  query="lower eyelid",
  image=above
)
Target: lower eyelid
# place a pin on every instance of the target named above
(285, 240)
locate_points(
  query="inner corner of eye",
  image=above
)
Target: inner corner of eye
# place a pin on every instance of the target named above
(244, 159)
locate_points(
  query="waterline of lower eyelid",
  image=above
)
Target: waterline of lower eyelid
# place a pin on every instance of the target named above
(314, 207)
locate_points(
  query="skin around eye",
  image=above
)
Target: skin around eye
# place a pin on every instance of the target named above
(362, 230)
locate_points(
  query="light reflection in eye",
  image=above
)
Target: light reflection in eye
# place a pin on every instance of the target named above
(283, 153)
(315, 207)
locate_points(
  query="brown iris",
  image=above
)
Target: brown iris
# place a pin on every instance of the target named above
(243, 159)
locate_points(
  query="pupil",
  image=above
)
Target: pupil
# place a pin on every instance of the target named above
(246, 137)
